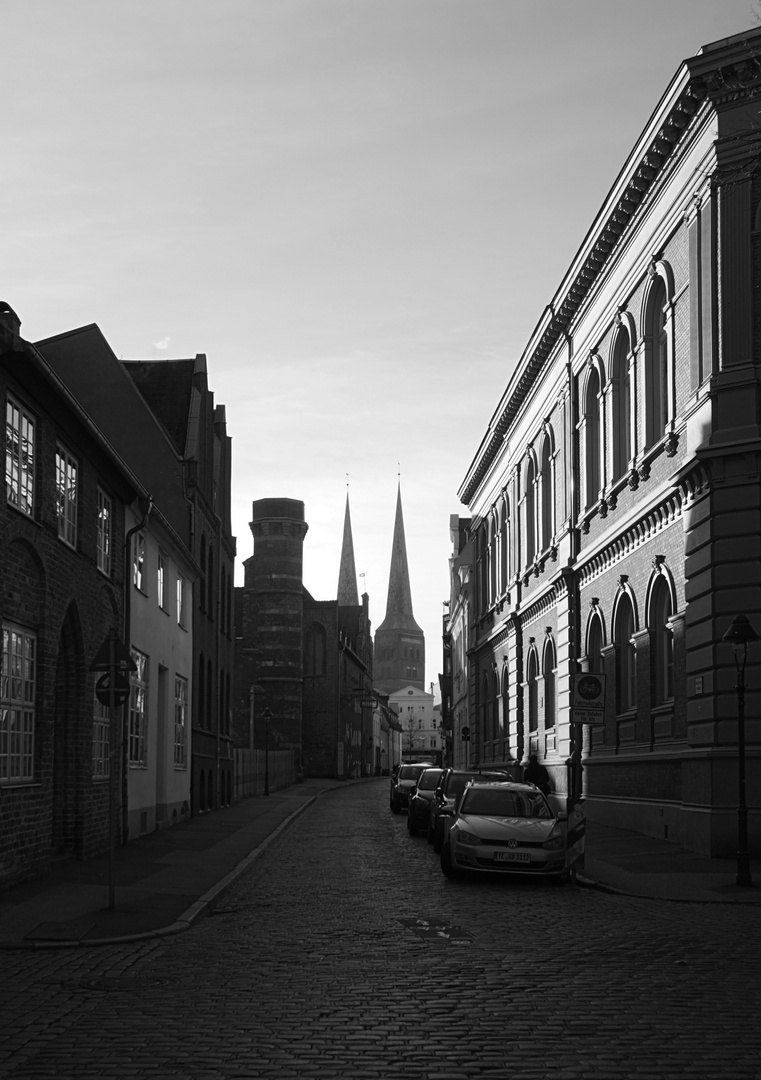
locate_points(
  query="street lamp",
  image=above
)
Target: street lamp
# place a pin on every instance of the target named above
(738, 636)
(266, 717)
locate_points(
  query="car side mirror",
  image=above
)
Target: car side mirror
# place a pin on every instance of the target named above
(561, 815)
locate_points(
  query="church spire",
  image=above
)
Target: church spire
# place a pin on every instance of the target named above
(399, 603)
(347, 574)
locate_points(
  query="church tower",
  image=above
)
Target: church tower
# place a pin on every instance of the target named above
(347, 573)
(399, 641)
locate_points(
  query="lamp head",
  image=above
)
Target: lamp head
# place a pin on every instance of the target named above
(740, 633)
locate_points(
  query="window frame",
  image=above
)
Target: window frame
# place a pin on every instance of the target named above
(67, 508)
(24, 435)
(104, 541)
(137, 732)
(181, 721)
(21, 703)
(101, 741)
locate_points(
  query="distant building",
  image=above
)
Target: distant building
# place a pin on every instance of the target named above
(312, 659)
(615, 500)
(399, 641)
(420, 719)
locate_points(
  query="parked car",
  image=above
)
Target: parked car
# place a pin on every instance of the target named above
(450, 786)
(504, 827)
(404, 782)
(420, 799)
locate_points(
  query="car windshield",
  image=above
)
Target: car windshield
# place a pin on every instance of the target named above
(410, 772)
(429, 779)
(492, 802)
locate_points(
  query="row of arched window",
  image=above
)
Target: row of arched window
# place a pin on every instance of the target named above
(539, 687)
(206, 588)
(508, 545)
(204, 712)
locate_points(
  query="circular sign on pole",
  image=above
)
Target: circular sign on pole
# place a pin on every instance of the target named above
(116, 694)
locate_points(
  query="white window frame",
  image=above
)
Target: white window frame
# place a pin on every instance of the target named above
(181, 601)
(138, 712)
(67, 495)
(17, 704)
(19, 457)
(105, 532)
(101, 741)
(138, 562)
(161, 580)
(180, 722)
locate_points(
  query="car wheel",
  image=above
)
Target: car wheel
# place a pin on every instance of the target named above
(447, 869)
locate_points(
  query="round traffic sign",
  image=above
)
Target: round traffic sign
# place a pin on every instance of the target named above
(112, 695)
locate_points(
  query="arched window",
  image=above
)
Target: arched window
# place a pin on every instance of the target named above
(314, 650)
(493, 557)
(622, 404)
(504, 547)
(209, 695)
(484, 709)
(594, 645)
(592, 437)
(548, 494)
(222, 600)
(548, 671)
(626, 661)
(201, 691)
(532, 672)
(504, 706)
(202, 575)
(210, 583)
(530, 511)
(662, 642)
(482, 567)
(656, 363)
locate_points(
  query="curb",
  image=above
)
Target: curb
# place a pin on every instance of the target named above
(197, 910)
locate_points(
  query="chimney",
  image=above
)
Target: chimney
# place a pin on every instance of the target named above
(9, 320)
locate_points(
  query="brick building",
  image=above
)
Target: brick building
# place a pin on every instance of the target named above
(61, 531)
(615, 501)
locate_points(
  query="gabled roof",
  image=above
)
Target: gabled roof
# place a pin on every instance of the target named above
(167, 386)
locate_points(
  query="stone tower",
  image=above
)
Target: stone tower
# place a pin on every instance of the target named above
(272, 615)
(399, 641)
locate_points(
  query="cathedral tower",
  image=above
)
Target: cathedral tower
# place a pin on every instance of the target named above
(399, 641)
(347, 574)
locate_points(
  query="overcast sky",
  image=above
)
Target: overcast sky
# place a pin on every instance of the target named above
(358, 209)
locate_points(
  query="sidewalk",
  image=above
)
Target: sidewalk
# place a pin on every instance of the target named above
(168, 879)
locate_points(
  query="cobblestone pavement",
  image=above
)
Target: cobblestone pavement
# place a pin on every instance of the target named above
(345, 953)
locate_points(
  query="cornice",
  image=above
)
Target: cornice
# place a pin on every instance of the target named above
(719, 73)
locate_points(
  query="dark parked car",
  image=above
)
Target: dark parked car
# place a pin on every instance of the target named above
(403, 783)
(420, 800)
(505, 828)
(450, 786)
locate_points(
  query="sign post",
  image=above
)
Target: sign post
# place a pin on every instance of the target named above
(587, 708)
(112, 690)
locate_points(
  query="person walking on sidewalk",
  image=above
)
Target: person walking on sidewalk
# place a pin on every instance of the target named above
(534, 773)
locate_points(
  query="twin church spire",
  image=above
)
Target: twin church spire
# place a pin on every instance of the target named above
(399, 641)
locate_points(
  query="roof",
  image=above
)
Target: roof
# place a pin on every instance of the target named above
(166, 386)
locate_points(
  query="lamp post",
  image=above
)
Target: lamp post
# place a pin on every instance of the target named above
(266, 717)
(738, 636)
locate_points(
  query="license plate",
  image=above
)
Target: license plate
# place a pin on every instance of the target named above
(512, 856)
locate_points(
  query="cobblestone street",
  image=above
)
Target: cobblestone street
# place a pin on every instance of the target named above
(345, 953)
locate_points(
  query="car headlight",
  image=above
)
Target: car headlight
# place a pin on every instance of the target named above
(468, 838)
(555, 843)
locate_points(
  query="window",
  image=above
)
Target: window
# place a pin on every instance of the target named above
(626, 659)
(656, 363)
(66, 473)
(622, 405)
(202, 577)
(314, 652)
(594, 645)
(180, 600)
(180, 722)
(105, 515)
(19, 458)
(592, 437)
(549, 685)
(663, 642)
(530, 510)
(548, 495)
(138, 711)
(138, 562)
(532, 690)
(161, 580)
(17, 702)
(101, 741)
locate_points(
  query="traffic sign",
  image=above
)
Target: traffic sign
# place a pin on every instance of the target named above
(465, 733)
(588, 698)
(116, 694)
(113, 653)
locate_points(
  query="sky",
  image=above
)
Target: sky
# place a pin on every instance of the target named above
(357, 209)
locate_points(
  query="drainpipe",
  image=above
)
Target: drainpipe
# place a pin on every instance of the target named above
(144, 505)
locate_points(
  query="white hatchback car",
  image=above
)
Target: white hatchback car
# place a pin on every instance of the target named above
(504, 827)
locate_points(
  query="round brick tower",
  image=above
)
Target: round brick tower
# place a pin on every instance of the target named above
(273, 601)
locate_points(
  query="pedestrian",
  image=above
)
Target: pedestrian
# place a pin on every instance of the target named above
(534, 773)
